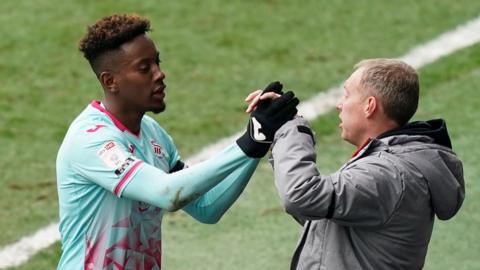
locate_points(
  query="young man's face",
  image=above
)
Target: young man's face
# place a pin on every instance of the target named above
(139, 78)
(351, 110)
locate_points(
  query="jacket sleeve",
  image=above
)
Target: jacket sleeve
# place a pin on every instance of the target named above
(356, 195)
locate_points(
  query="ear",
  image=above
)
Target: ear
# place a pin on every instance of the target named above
(371, 106)
(107, 79)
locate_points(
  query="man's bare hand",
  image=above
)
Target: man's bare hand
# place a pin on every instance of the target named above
(256, 96)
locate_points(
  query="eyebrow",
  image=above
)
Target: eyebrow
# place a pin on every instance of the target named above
(138, 61)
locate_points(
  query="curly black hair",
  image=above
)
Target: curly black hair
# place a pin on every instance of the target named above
(111, 32)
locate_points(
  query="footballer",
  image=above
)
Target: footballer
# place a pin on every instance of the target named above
(118, 170)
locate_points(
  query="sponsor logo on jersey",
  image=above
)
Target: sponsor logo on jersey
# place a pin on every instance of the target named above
(97, 127)
(124, 166)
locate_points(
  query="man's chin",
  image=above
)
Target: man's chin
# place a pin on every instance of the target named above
(344, 137)
(159, 109)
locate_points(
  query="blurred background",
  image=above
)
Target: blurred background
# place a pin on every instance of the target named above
(214, 53)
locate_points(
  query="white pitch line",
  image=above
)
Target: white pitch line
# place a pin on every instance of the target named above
(461, 37)
(19, 252)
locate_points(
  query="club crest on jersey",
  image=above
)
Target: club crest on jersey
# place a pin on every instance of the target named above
(157, 149)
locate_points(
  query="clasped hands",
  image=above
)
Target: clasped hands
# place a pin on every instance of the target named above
(269, 109)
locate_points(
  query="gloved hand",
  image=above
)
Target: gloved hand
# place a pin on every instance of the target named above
(267, 118)
(275, 87)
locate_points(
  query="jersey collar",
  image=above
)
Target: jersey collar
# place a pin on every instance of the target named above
(97, 105)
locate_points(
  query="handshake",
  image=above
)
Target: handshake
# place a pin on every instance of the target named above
(266, 119)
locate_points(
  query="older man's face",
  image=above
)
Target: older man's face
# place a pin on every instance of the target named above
(351, 110)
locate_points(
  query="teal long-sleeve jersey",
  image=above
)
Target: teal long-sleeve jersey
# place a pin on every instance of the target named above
(114, 187)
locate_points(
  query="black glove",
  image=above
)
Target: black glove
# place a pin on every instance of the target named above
(275, 87)
(267, 118)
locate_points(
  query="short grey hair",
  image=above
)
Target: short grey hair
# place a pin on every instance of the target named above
(396, 85)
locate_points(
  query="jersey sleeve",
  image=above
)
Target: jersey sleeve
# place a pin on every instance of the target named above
(211, 206)
(173, 191)
(102, 158)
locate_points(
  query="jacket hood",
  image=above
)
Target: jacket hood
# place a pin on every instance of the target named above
(439, 165)
(435, 129)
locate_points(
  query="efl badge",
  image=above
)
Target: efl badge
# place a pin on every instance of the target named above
(111, 155)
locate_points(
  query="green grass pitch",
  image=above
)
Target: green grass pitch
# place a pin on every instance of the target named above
(214, 53)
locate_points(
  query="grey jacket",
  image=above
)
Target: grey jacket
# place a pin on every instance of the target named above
(375, 212)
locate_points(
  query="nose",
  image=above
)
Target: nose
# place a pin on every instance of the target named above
(158, 74)
(339, 105)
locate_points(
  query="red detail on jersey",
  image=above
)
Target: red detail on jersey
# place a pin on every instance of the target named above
(125, 178)
(136, 249)
(120, 267)
(142, 207)
(93, 251)
(109, 145)
(118, 124)
(124, 223)
(131, 148)
(97, 127)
